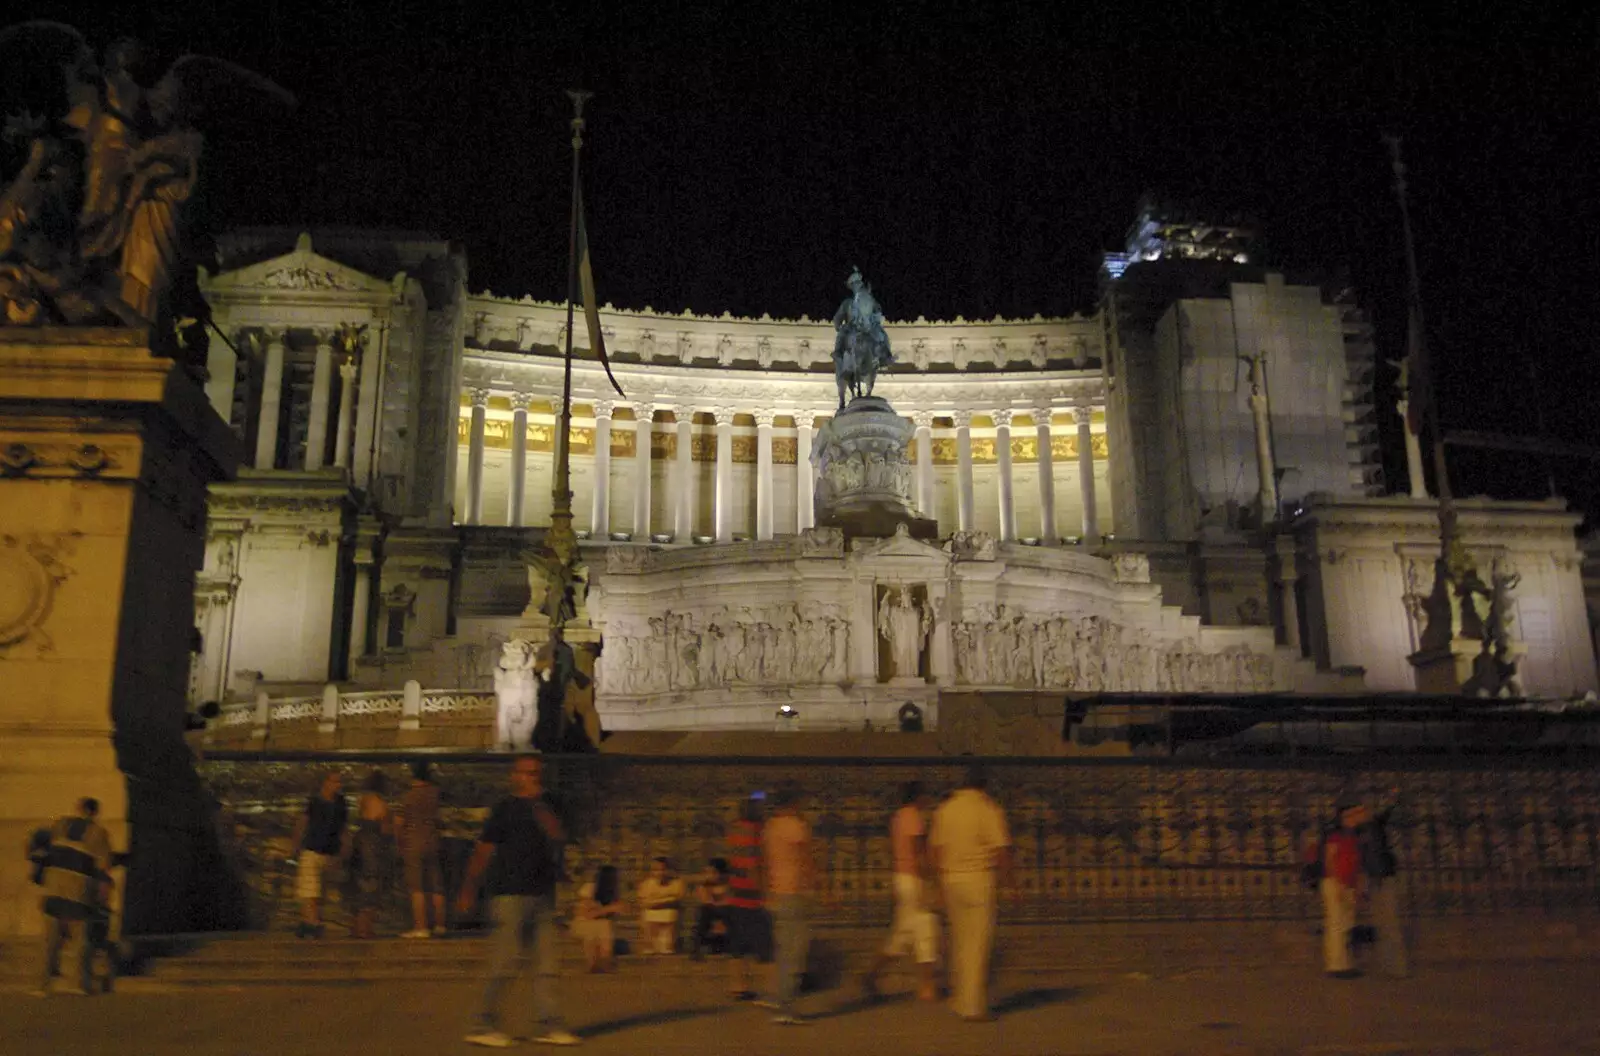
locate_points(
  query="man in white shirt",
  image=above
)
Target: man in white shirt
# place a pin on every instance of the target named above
(970, 848)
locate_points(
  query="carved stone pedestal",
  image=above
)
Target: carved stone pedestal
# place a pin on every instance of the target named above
(865, 483)
(105, 455)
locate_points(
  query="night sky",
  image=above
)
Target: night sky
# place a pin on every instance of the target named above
(975, 162)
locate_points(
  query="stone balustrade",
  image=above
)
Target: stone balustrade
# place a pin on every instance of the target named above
(409, 717)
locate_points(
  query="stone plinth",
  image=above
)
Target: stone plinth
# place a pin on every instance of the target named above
(865, 482)
(105, 455)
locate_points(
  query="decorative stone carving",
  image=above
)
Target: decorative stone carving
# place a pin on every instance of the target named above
(971, 546)
(861, 463)
(821, 542)
(516, 693)
(1130, 568)
(30, 571)
(905, 626)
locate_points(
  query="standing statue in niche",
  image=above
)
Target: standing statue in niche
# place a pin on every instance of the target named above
(861, 348)
(905, 627)
(515, 693)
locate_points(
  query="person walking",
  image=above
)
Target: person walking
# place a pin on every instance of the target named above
(749, 931)
(599, 904)
(320, 838)
(913, 928)
(791, 875)
(520, 850)
(1385, 891)
(1338, 861)
(970, 848)
(76, 877)
(419, 851)
(374, 830)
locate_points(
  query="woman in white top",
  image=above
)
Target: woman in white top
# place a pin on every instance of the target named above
(660, 896)
(598, 903)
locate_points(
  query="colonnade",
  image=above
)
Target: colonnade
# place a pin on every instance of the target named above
(681, 521)
(270, 375)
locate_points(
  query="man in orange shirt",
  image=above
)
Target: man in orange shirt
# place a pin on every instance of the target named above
(790, 870)
(913, 927)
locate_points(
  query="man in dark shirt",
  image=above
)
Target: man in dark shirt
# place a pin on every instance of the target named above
(520, 849)
(319, 841)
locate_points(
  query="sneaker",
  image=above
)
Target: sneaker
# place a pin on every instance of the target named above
(491, 1039)
(786, 1020)
(416, 933)
(558, 1037)
(761, 1002)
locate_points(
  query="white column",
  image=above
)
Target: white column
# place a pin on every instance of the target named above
(764, 474)
(963, 420)
(1419, 483)
(221, 369)
(480, 411)
(519, 457)
(347, 413)
(271, 403)
(1266, 471)
(643, 415)
(1091, 523)
(722, 507)
(321, 390)
(924, 424)
(805, 513)
(683, 486)
(600, 507)
(1002, 454)
(1047, 478)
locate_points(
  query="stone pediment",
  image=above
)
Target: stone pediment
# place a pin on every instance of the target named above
(900, 546)
(303, 270)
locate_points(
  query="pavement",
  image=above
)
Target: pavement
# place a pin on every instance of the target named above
(1528, 1008)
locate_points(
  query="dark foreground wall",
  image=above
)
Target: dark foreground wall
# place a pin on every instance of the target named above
(1103, 840)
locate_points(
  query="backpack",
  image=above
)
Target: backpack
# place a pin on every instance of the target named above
(1312, 868)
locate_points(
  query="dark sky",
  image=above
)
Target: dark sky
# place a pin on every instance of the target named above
(973, 162)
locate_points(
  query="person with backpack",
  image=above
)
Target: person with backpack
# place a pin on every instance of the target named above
(76, 877)
(520, 850)
(1384, 891)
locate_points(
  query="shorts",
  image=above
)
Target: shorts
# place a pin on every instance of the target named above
(914, 928)
(423, 873)
(308, 877)
(749, 933)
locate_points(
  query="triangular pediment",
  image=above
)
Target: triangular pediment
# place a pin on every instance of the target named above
(302, 270)
(901, 545)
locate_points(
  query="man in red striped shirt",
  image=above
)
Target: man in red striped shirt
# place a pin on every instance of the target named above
(747, 920)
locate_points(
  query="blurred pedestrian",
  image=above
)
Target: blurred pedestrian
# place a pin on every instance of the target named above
(1338, 861)
(749, 930)
(520, 850)
(599, 903)
(791, 875)
(711, 919)
(660, 902)
(970, 848)
(914, 929)
(370, 854)
(76, 878)
(419, 851)
(319, 837)
(1385, 890)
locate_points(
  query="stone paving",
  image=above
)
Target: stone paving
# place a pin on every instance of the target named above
(1528, 1009)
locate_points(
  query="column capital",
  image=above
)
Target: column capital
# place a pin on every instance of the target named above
(962, 419)
(604, 408)
(722, 416)
(347, 370)
(1002, 418)
(274, 336)
(644, 412)
(520, 401)
(683, 413)
(479, 397)
(1082, 414)
(922, 419)
(324, 336)
(765, 418)
(1042, 414)
(805, 418)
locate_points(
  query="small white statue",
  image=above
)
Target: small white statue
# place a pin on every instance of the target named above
(516, 689)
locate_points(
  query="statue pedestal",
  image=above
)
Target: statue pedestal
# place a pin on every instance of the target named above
(105, 455)
(865, 482)
(1448, 669)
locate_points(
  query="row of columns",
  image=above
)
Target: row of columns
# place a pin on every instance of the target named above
(271, 407)
(805, 514)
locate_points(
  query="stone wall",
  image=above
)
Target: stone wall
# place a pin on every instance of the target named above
(1097, 840)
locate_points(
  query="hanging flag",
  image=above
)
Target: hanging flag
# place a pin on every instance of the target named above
(591, 308)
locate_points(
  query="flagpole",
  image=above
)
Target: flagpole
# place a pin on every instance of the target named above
(562, 540)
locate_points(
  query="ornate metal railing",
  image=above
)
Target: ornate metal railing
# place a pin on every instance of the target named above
(1100, 840)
